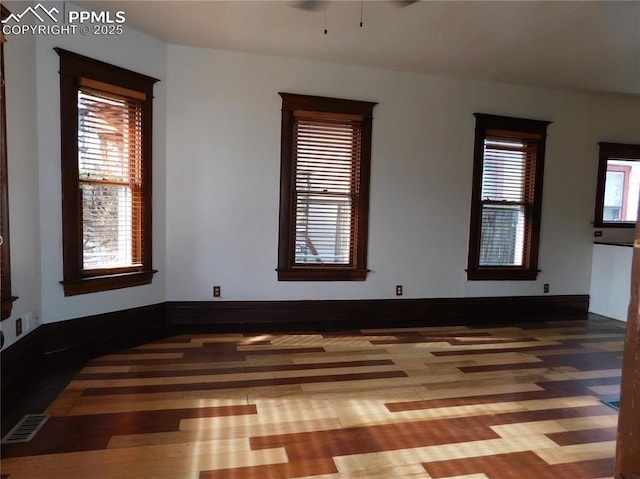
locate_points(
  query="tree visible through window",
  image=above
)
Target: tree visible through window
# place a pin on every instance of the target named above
(326, 146)
(106, 174)
(507, 187)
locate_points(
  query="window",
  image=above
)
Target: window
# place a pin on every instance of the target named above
(324, 188)
(5, 254)
(618, 187)
(506, 198)
(106, 175)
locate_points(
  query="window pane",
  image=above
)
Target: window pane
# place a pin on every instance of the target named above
(502, 235)
(622, 186)
(504, 169)
(106, 226)
(504, 180)
(323, 229)
(106, 137)
(326, 155)
(109, 152)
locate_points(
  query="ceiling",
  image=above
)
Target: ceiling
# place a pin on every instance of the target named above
(575, 45)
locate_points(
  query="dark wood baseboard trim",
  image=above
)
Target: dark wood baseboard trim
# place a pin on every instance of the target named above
(78, 340)
(20, 361)
(197, 316)
(104, 333)
(24, 363)
(107, 332)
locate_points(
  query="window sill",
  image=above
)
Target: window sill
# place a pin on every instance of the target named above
(614, 224)
(501, 274)
(7, 305)
(96, 284)
(327, 274)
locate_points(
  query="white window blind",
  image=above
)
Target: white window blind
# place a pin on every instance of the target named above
(110, 179)
(327, 169)
(508, 175)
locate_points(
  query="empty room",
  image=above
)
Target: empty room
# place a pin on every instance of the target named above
(320, 239)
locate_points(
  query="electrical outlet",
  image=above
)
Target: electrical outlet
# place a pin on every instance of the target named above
(18, 327)
(546, 287)
(399, 290)
(597, 234)
(216, 291)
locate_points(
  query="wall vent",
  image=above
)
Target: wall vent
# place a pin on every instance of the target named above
(26, 429)
(615, 404)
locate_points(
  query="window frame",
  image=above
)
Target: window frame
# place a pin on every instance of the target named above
(6, 296)
(608, 151)
(74, 70)
(288, 269)
(527, 128)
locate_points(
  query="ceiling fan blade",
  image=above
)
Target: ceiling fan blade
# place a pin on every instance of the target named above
(403, 3)
(308, 5)
(314, 5)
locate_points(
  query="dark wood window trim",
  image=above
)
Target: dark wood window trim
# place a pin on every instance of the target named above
(5, 253)
(607, 151)
(534, 131)
(288, 269)
(74, 70)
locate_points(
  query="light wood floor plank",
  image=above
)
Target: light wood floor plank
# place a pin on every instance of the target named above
(420, 403)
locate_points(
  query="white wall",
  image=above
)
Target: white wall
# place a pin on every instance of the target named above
(611, 281)
(216, 175)
(223, 145)
(22, 166)
(134, 51)
(34, 165)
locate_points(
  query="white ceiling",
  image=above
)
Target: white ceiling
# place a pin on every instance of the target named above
(579, 45)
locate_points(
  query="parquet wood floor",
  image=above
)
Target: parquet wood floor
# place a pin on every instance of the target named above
(499, 402)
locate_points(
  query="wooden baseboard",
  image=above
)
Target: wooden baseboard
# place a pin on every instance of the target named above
(106, 332)
(196, 316)
(84, 338)
(76, 340)
(20, 362)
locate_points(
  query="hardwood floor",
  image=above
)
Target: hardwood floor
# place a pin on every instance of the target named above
(451, 402)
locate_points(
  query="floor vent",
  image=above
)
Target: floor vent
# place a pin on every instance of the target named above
(26, 429)
(613, 404)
